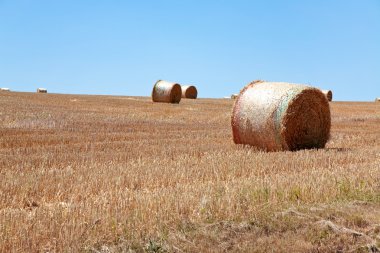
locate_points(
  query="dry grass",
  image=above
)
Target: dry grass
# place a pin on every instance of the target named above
(112, 174)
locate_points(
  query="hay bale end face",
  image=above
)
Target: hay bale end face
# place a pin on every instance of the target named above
(166, 92)
(281, 116)
(189, 91)
(41, 90)
(328, 94)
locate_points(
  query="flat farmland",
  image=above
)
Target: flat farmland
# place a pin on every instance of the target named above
(122, 174)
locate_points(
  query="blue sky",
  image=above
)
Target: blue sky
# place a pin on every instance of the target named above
(123, 47)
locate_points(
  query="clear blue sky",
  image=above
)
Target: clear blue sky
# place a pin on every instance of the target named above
(123, 47)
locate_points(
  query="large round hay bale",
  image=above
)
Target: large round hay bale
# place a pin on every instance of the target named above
(328, 94)
(166, 92)
(281, 116)
(377, 99)
(189, 91)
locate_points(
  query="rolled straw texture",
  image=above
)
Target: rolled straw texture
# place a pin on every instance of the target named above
(189, 91)
(281, 116)
(328, 94)
(166, 92)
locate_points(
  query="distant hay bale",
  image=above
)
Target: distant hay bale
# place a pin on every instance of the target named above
(41, 90)
(281, 116)
(234, 96)
(328, 94)
(377, 99)
(189, 91)
(166, 92)
(5, 89)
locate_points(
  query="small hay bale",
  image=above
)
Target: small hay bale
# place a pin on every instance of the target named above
(166, 92)
(328, 94)
(281, 116)
(234, 96)
(377, 99)
(41, 90)
(189, 91)
(5, 89)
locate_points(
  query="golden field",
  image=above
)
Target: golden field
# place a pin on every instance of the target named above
(122, 174)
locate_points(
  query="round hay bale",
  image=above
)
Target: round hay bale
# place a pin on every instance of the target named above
(377, 99)
(166, 92)
(281, 116)
(234, 96)
(189, 91)
(328, 94)
(41, 90)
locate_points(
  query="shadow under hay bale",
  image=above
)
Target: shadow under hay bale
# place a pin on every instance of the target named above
(281, 116)
(328, 94)
(189, 91)
(166, 92)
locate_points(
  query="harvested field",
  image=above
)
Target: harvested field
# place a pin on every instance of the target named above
(112, 174)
